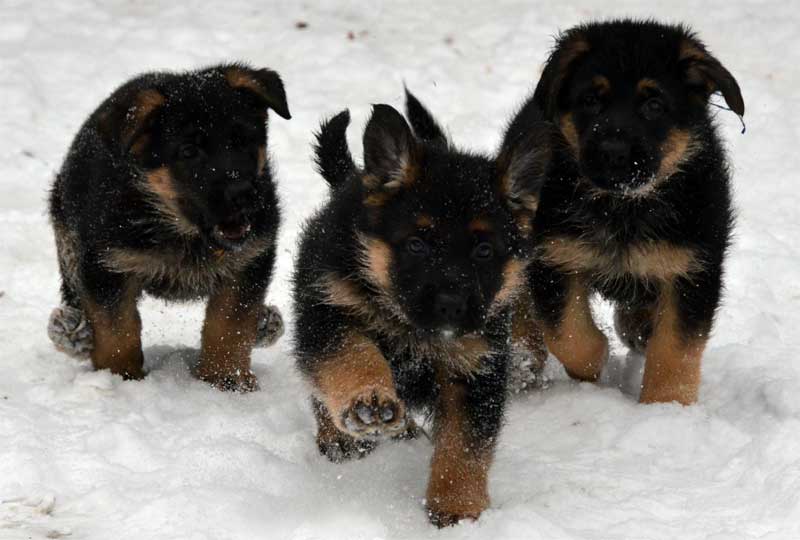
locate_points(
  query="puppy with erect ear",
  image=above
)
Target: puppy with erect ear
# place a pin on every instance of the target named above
(403, 289)
(168, 190)
(637, 206)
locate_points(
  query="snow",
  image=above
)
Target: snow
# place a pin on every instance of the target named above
(86, 455)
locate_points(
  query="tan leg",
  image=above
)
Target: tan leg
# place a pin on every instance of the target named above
(458, 485)
(672, 367)
(577, 342)
(117, 338)
(356, 386)
(229, 333)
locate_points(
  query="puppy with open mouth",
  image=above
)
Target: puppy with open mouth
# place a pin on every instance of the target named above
(402, 290)
(167, 189)
(637, 205)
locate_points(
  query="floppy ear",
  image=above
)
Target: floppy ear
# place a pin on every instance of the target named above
(389, 148)
(570, 47)
(422, 122)
(522, 169)
(706, 72)
(263, 83)
(128, 115)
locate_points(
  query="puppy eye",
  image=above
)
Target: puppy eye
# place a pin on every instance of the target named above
(483, 252)
(188, 151)
(416, 246)
(653, 108)
(591, 102)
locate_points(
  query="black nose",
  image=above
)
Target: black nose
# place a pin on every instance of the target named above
(450, 308)
(239, 194)
(616, 153)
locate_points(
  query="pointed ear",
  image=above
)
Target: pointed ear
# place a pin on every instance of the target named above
(263, 83)
(422, 122)
(522, 169)
(707, 73)
(390, 150)
(127, 117)
(570, 46)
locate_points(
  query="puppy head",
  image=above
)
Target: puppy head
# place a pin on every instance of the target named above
(443, 231)
(199, 139)
(629, 97)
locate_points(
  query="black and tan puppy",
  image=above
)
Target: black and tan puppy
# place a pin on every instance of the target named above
(402, 291)
(167, 189)
(637, 205)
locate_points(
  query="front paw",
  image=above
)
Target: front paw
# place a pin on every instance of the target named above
(444, 518)
(270, 326)
(240, 381)
(70, 332)
(373, 413)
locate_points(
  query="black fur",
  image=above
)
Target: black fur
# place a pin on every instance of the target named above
(213, 220)
(609, 195)
(416, 195)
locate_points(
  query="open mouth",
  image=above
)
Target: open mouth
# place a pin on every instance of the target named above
(231, 233)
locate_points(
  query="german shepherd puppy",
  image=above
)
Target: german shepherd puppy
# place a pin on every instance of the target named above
(402, 291)
(637, 206)
(167, 189)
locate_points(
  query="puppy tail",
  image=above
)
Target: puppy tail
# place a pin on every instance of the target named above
(331, 153)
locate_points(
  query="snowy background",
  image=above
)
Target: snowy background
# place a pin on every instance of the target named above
(86, 455)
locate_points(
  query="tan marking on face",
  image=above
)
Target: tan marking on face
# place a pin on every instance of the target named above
(160, 186)
(646, 86)
(376, 259)
(117, 335)
(457, 487)
(570, 132)
(576, 341)
(673, 361)
(229, 333)
(480, 225)
(424, 221)
(356, 370)
(601, 84)
(656, 261)
(678, 148)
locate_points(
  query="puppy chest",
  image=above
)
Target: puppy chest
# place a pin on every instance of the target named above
(649, 260)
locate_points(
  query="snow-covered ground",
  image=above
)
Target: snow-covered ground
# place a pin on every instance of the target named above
(86, 455)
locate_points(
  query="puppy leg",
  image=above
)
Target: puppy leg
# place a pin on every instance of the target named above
(355, 386)
(634, 324)
(229, 333)
(528, 338)
(467, 422)
(116, 330)
(574, 338)
(673, 356)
